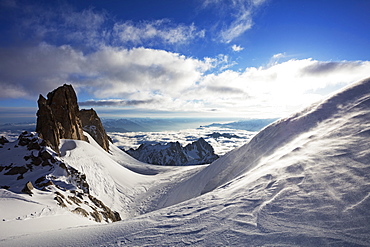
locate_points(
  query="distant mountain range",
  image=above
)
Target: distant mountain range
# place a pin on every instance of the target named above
(172, 153)
(250, 124)
(153, 125)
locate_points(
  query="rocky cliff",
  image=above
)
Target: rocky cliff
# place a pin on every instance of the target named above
(172, 153)
(59, 117)
(91, 124)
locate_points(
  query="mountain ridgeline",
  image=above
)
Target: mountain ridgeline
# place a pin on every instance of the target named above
(196, 153)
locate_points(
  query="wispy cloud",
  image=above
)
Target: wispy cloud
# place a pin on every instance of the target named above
(116, 102)
(237, 48)
(240, 16)
(325, 68)
(153, 31)
(8, 3)
(94, 29)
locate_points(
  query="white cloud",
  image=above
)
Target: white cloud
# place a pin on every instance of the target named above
(34, 70)
(164, 30)
(241, 24)
(220, 62)
(109, 72)
(95, 29)
(162, 80)
(237, 48)
(120, 72)
(279, 88)
(238, 12)
(63, 24)
(275, 59)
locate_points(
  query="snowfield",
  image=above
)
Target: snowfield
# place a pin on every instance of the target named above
(301, 181)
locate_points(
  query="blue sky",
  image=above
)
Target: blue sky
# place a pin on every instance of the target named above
(193, 58)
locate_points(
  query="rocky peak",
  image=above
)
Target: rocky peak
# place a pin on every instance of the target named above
(92, 124)
(204, 152)
(3, 140)
(172, 153)
(58, 117)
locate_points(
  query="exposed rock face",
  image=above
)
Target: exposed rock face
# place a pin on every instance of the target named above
(216, 135)
(3, 140)
(28, 188)
(91, 124)
(58, 117)
(196, 153)
(201, 151)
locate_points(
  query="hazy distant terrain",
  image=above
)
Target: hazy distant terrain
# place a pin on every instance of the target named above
(130, 133)
(221, 145)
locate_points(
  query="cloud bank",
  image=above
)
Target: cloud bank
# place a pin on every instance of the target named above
(158, 79)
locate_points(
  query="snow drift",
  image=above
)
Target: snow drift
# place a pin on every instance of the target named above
(303, 180)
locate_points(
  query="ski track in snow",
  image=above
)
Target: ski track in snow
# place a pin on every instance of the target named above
(302, 181)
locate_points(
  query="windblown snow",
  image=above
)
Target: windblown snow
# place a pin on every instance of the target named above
(301, 181)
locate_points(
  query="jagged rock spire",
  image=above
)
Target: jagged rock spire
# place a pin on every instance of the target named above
(58, 117)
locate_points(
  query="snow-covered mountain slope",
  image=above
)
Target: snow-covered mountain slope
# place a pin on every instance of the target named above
(280, 139)
(115, 177)
(84, 185)
(302, 181)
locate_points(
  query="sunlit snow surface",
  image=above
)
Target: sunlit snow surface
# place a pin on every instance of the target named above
(302, 181)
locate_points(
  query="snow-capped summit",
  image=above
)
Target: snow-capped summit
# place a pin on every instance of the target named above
(196, 153)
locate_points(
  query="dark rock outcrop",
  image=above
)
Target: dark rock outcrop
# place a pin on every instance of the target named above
(92, 124)
(28, 188)
(58, 117)
(201, 151)
(216, 135)
(16, 170)
(196, 153)
(3, 140)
